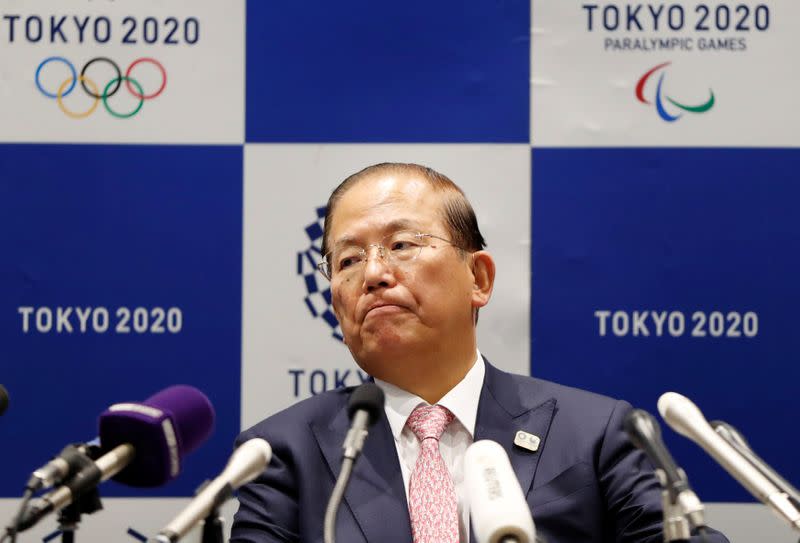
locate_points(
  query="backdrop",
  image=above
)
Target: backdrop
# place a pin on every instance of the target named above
(164, 168)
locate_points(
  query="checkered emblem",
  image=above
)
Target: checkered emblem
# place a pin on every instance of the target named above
(318, 298)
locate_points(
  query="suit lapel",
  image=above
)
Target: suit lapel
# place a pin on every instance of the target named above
(502, 412)
(376, 493)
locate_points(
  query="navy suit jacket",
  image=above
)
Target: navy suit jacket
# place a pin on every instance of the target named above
(585, 483)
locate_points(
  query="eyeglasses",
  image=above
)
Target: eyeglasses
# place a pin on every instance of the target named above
(395, 249)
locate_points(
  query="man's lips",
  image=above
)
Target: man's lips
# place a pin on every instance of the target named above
(383, 309)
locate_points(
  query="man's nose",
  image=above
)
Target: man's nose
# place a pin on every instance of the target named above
(377, 270)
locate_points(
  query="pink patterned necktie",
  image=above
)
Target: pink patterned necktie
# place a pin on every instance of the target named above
(433, 505)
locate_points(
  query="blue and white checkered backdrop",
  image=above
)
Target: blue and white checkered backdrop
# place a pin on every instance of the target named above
(164, 167)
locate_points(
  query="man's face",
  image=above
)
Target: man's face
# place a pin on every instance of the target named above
(393, 311)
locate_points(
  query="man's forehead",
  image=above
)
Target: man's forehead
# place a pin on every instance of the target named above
(385, 202)
(390, 185)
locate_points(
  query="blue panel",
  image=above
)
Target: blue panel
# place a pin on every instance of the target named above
(681, 230)
(363, 71)
(117, 227)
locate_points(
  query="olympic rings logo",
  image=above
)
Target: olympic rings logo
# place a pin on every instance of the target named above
(91, 88)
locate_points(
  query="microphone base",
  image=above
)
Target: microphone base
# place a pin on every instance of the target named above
(676, 525)
(213, 528)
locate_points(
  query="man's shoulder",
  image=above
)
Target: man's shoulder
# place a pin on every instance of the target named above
(569, 401)
(313, 411)
(542, 388)
(579, 417)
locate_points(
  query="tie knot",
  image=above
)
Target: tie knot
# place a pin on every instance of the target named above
(429, 421)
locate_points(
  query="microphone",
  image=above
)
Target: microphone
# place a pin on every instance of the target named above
(645, 433)
(364, 409)
(247, 462)
(146, 442)
(60, 468)
(497, 504)
(163, 429)
(86, 479)
(3, 399)
(684, 417)
(738, 442)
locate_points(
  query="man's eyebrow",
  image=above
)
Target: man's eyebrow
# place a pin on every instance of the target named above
(392, 226)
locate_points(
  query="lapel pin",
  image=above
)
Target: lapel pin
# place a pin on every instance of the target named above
(527, 441)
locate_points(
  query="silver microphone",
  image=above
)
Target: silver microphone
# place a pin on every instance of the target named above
(684, 417)
(247, 462)
(100, 470)
(738, 442)
(59, 468)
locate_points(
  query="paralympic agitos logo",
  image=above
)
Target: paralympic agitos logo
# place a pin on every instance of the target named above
(57, 77)
(672, 112)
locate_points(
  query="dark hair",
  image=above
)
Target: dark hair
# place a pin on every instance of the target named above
(457, 212)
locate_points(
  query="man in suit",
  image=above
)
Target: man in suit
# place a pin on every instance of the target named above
(408, 274)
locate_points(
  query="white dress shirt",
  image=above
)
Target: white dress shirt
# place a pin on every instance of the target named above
(462, 401)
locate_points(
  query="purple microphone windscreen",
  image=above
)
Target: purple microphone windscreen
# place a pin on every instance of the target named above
(163, 429)
(3, 399)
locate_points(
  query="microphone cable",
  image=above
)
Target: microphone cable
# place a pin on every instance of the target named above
(11, 531)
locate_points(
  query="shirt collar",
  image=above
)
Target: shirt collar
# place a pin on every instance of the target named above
(461, 400)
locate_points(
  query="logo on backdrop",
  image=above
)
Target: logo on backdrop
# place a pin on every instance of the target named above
(91, 88)
(318, 298)
(674, 111)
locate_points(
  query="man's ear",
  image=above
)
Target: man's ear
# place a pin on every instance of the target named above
(483, 270)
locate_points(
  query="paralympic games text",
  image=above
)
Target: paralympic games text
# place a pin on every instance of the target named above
(62, 29)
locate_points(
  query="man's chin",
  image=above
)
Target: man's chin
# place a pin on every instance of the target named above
(383, 347)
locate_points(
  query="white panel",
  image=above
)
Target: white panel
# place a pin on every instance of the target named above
(743, 522)
(584, 81)
(284, 184)
(202, 101)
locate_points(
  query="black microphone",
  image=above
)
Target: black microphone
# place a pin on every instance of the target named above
(645, 433)
(3, 399)
(738, 442)
(364, 408)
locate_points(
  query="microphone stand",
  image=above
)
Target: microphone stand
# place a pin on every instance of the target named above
(86, 503)
(213, 523)
(212, 527)
(676, 527)
(70, 516)
(329, 525)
